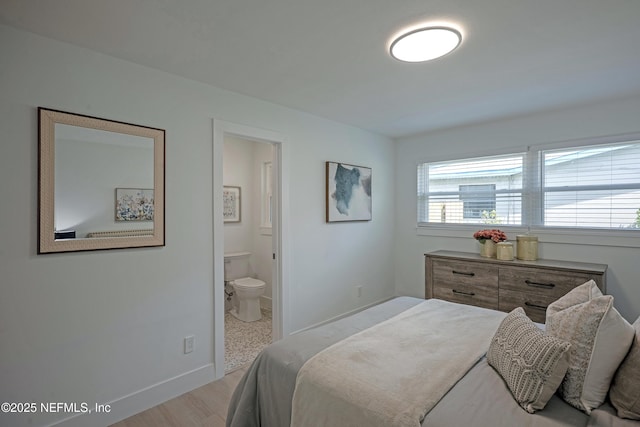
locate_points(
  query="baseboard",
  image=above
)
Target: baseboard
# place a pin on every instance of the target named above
(142, 400)
(349, 313)
(266, 303)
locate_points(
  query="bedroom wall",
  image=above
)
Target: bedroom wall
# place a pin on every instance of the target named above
(607, 118)
(108, 326)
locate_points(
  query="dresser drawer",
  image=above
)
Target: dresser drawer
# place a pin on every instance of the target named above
(534, 305)
(450, 273)
(546, 284)
(471, 283)
(481, 296)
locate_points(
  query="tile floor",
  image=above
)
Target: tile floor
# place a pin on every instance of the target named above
(244, 340)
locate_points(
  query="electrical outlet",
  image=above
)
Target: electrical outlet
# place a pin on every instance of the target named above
(189, 342)
(358, 291)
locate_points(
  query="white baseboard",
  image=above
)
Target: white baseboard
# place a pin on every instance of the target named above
(349, 313)
(142, 400)
(266, 303)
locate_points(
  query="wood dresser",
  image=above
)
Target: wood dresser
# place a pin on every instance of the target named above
(504, 285)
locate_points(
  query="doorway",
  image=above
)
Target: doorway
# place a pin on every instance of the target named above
(279, 230)
(248, 248)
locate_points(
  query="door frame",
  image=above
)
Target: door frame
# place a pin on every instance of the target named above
(280, 232)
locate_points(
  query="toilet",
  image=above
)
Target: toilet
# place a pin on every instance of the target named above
(246, 289)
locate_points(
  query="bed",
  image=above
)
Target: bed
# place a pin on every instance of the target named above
(480, 397)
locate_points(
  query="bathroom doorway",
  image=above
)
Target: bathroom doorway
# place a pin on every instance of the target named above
(251, 163)
(248, 248)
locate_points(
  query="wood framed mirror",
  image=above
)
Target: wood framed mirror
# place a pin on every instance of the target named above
(100, 183)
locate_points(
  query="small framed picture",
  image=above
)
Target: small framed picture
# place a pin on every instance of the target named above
(231, 201)
(134, 204)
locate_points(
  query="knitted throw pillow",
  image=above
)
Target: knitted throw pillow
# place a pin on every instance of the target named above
(532, 363)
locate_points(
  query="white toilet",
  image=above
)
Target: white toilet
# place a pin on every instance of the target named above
(247, 289)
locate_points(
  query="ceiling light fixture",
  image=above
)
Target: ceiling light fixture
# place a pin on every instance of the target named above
(425, 44)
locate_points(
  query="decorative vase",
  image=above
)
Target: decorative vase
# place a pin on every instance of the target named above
(488, 248)
(504, 251)
(527, 247)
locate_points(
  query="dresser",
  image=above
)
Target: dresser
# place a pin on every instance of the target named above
(504, 285)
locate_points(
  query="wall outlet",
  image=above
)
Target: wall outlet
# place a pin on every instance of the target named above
(358, 291)
(189, 342)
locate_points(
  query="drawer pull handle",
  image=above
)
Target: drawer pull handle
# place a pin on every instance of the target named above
(463, 273)
(469, 294)
(536, 306)
(540, 285)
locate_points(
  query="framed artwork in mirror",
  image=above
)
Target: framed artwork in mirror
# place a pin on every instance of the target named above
(232, 204)
(134, 204)
(81, 160)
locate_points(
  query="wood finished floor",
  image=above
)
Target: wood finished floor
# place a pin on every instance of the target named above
(204, 406)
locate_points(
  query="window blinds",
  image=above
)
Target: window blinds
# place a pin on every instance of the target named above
(596, 186)
(592, 187)
(481, 190)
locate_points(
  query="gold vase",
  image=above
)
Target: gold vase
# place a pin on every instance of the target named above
(488, 249)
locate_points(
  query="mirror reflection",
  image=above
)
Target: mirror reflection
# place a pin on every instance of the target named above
(103, 181)
(101, 184)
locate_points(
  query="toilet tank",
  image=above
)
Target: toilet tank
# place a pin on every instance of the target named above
(237, 265)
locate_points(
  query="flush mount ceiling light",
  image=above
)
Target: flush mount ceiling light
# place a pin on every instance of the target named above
(425, 44)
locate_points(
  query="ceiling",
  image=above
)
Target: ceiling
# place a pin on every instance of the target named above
(329, 57)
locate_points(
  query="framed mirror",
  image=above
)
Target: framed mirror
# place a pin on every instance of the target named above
(100, 183)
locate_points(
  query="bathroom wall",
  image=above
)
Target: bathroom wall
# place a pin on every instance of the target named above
(238, 172)
(242, 166)
(261, 259)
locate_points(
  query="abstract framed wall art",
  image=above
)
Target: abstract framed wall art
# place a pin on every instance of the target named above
(231, 201)
(348, 195)
(134, 204)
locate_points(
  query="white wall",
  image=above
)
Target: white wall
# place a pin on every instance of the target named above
(108, 326)
(262, 260)
(238, 172)
(607, 118)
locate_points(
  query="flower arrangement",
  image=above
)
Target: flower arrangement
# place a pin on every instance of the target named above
(494, 234)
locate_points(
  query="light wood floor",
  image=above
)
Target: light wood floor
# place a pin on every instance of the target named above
(204, 406)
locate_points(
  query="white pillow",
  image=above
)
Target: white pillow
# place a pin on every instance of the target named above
(625, 388)
(600, 339)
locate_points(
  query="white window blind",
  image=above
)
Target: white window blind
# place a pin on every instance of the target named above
(592, 187)
(588, 187)
(482, 190)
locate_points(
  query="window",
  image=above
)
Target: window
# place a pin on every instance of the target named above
(477, 199)
(594, 186)
(267, 195)
(471, 191)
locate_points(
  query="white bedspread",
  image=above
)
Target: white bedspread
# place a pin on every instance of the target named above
(393, 373)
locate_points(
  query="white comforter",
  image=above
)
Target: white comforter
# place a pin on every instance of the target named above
(393, 373)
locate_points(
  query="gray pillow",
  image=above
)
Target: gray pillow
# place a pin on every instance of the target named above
(531, 363)
(625, 389)
(583, 293)
(600, 339)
